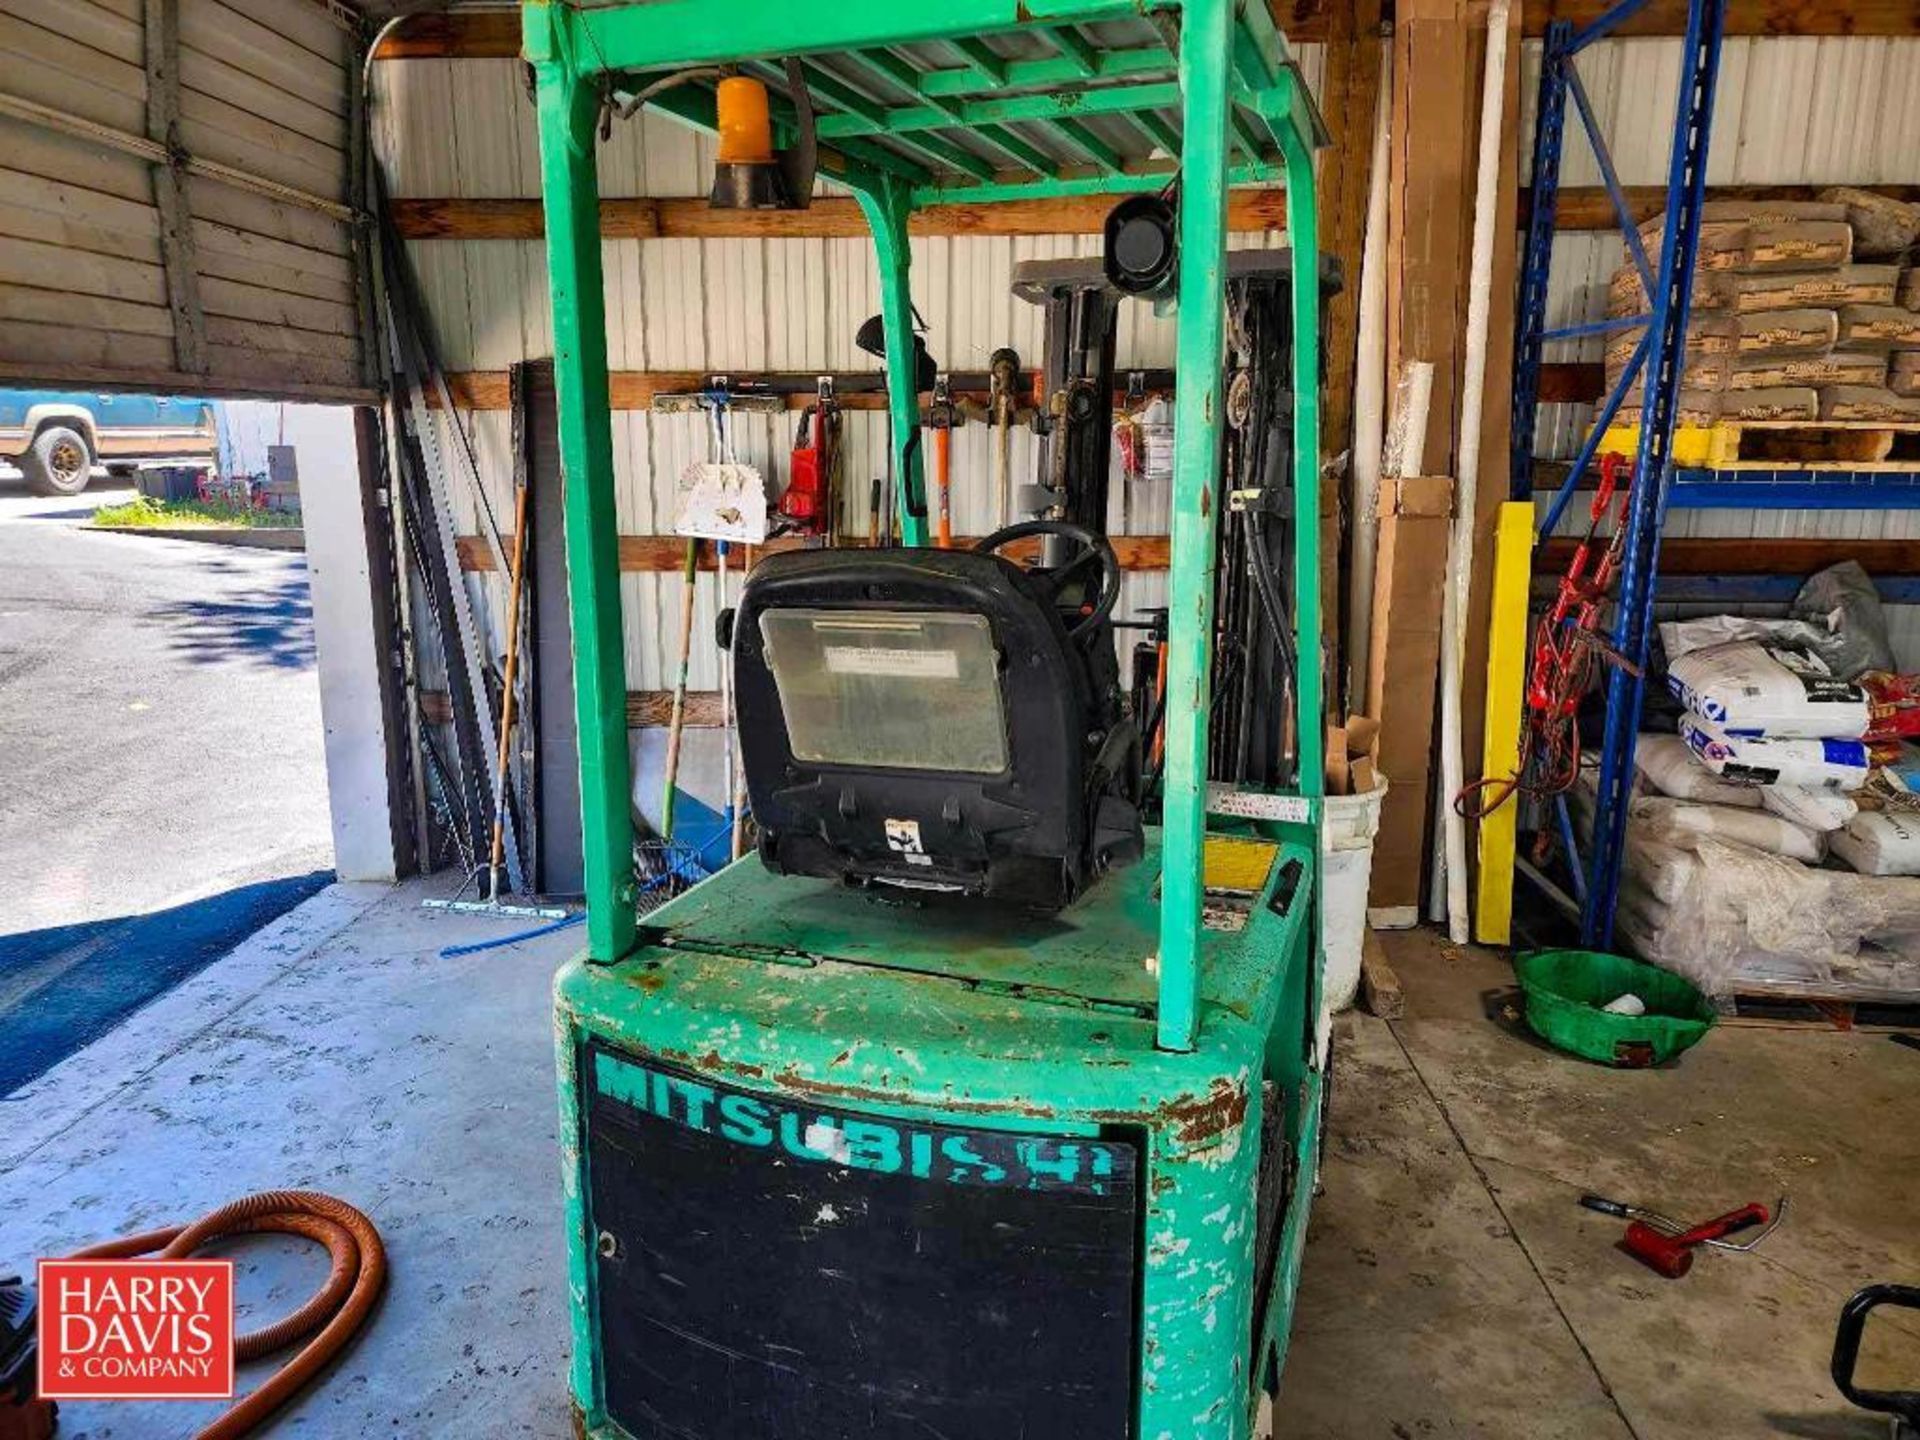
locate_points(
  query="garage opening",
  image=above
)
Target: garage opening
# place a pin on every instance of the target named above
(161, 697)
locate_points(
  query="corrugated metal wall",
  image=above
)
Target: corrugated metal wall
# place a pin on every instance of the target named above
(264, 87)
(465, 129)
(1790, 111)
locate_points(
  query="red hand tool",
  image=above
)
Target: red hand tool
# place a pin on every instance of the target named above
(1666, 1246)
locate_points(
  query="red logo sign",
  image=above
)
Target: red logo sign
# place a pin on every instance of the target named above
(136, 1329)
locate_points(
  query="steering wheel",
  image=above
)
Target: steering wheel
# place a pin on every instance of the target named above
(1094, 549)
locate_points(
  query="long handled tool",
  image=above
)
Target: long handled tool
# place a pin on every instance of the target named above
(1003, 371)
(1666, 1246)
(496, 852)
(507, 676)
(721, 500)
(676, 726)
(940, 420)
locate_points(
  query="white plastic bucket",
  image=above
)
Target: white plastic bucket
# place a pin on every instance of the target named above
(1346, 850)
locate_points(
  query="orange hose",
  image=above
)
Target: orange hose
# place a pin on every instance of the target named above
(336, 1311)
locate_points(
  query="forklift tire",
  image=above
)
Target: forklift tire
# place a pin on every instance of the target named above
(58, 462)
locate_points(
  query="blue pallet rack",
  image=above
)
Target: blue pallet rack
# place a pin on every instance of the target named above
(1656, 364)
(1655, 367)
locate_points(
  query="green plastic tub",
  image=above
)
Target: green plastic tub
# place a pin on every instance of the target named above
(1566, 989)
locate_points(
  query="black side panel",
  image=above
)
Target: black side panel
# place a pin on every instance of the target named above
(975, 1285)
(558, 864)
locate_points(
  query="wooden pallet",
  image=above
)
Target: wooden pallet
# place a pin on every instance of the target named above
(1772, 444)
(1762, 1007)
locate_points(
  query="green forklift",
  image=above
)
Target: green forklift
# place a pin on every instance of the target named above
(984, 1099)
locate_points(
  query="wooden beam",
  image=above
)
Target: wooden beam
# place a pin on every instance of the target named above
(830, 217)
(456, 35)
(162, 43)
(1586, 207)
(631, 389)
(637, 389)
(1303, 20)
(1350, 98)
(1757, 557)
(144, 380)
(1744, 17)
(660, 554)
(1379, 986)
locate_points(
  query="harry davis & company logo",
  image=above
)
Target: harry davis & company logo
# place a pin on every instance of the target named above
(136, 1329)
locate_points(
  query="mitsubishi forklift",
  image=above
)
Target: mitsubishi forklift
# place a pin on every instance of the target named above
(984, 1098)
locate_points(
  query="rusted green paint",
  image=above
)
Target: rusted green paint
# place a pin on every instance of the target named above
(848, 1027)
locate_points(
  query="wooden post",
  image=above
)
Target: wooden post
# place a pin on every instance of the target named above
(170, 187)
(1429, 214)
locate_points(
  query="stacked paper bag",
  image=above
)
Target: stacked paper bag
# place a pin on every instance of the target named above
(1801, 311)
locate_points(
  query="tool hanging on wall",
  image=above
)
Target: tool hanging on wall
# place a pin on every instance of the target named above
(811, 503)
(723, 500)
(1667, 1246)
(1143, 442)
(1003, 404)
(940, 420)
(676, 725)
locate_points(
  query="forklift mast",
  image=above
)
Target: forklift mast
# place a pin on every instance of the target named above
(1081, 319)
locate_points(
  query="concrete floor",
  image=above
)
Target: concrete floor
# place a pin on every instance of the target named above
(1452, 1286)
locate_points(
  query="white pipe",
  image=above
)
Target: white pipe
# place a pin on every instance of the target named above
(1453, 632)
(1369, 397)
(1406, 449)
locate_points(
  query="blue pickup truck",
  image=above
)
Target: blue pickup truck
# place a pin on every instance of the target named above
(58, 438)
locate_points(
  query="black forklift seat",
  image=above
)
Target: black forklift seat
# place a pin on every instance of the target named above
(935, 720)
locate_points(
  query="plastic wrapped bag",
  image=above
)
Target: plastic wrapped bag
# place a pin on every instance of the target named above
(1841, 599)
(1682, 637)
(1724, 914)
(1775, 835)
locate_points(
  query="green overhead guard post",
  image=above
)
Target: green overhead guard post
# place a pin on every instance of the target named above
(886, 206)
(569, 109)
(1206, 40)
(1297, 142)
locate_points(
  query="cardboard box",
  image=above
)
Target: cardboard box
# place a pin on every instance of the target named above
(1350, 755)
(1410, 567)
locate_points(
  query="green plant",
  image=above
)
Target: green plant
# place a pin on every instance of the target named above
(145, 513)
